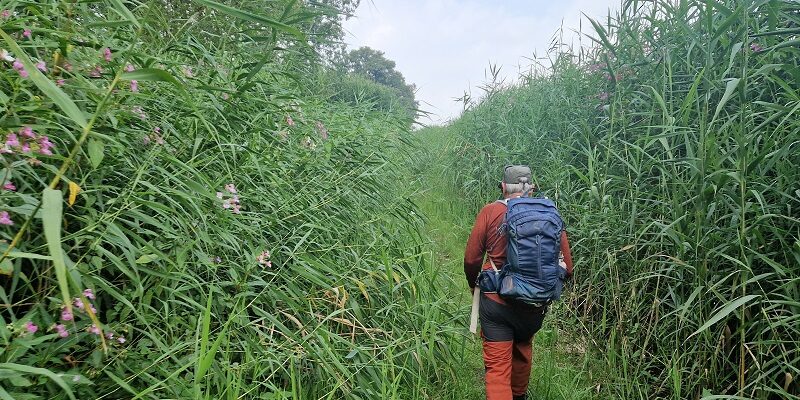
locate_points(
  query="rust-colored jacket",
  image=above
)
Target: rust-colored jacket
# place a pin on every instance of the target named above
(486, 238)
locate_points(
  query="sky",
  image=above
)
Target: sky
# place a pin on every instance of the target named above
(445, 47)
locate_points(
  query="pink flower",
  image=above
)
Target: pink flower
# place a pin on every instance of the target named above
(603, 96)
(230, 188)
(12, 140)
(756, 48)
(289, 121)
(107, 54)
(26, 33)
(237, 209)
(5, 14)
(41, 66)
(110, 335)
(88, 293)
(66, 315)
(62, 330)
(5, 218)
(94, 329)
(188, 72)
(9, 186)
(134, 86)
(60, 82)
(45, 146)
(225, 96)
(96, 71)
(263, 259)
(78, 303)
(25, 148)
(20, 68)
(129, 68)
(30, 327)
(27, 131)
(219, 195)
(121, 339)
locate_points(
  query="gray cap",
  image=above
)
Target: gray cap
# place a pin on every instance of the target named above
(517, 174)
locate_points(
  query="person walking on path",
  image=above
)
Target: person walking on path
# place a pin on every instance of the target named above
(507, 327)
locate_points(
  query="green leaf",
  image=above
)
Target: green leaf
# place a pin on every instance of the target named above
(241, 14)
(96, 152)
(730, 87)
(724, 312)
(146, 259)
(151, 74)
(46, 85)
(124, 11)
(52, 205)
(39, 371)
(6, 267)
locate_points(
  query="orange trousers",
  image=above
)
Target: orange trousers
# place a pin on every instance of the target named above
(508, 368)
(507, 331)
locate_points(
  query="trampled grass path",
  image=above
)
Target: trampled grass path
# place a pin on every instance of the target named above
(563, 366)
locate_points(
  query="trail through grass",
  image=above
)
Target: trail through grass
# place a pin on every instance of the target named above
(563, 366)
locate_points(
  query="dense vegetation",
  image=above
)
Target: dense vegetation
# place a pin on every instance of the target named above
(671, 146)
(189, 212)
(197, 202)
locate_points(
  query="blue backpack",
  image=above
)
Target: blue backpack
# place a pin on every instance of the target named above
(532, 273)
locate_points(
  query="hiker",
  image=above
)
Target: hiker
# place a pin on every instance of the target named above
(508, 320)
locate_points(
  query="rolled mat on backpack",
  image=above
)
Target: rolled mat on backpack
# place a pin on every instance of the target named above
(473, 317)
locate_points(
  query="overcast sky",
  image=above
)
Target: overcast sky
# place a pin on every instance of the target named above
(445, 46)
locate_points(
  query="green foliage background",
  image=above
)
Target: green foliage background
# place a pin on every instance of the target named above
(226, 95)
(671, 147)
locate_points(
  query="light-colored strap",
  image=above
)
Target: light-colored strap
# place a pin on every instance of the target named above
(492, 262)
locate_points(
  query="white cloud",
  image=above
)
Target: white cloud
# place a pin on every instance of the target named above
(446, 46)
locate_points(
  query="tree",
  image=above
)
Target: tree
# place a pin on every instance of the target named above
(374, 65)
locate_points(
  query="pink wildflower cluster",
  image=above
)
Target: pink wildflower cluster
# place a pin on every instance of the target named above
(129, 68)
(289, 121)
(20, 68)
(323, 131)
(263, 259)
(111, 336)
(154, 136)
(26, 33)
(96, 72)
(26, 141)
(66, 316)
(5, 14)
(756, 48)
(30, 327)
(61, 329)
(230, 200)
(9, 186)
(5, 218)
(107, 54)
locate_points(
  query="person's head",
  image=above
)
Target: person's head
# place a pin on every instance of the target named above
(516, 180)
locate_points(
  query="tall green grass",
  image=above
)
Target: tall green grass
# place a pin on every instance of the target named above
(671, 146)
(342, 306)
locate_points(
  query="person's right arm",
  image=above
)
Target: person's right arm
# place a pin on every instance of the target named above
(476, 247)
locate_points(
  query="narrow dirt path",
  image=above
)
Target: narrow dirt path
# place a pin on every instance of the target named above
(563, 368)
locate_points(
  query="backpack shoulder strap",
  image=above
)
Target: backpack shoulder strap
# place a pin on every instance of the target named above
(503, 202)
